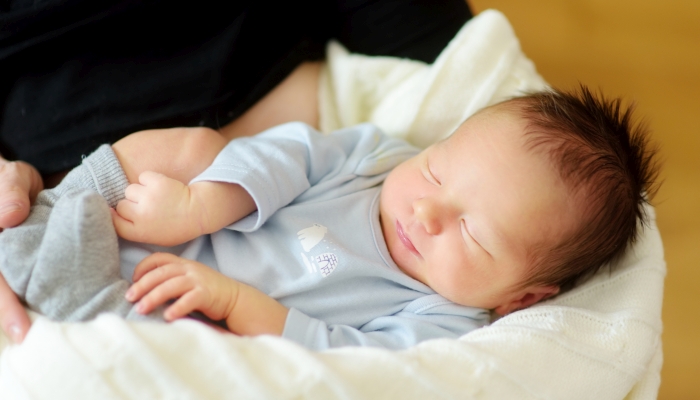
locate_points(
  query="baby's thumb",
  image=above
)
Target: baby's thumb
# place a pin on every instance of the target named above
(125, 228)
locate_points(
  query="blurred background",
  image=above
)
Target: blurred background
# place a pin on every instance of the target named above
(647, 52)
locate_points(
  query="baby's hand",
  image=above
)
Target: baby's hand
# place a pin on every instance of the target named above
(161, 277)
(158, 210)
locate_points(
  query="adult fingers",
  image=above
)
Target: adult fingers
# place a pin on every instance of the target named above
(19, 185)
(13, 318)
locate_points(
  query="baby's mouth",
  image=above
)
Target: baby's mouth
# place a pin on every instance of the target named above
(405, 240)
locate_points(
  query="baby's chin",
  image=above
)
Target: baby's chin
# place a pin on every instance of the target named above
(408, 271)
(405, 267)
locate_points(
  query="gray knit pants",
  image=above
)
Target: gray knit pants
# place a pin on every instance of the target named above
(63, 261)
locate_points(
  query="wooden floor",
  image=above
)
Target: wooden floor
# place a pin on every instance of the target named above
(648, 52)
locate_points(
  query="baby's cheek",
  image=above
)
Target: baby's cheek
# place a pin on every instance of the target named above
(452, 278)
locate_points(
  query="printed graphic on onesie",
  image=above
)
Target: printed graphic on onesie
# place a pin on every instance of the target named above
(324, 262)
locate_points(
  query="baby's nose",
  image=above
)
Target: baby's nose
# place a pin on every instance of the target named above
(428, 214)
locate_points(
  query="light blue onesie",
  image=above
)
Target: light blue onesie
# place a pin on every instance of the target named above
(315, 242)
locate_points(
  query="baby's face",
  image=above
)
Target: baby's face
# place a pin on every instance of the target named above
(465, 214)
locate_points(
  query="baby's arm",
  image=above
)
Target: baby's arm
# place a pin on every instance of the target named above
(159, 208)
(166, 212)
(246, 310)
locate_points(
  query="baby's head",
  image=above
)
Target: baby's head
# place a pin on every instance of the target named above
(523, 200)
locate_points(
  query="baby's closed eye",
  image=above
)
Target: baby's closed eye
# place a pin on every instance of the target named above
(429, 175)
(468, 237)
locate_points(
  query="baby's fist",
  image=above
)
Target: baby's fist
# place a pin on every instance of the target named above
(157, 210)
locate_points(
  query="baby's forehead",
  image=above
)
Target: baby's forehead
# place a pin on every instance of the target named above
(500, 123)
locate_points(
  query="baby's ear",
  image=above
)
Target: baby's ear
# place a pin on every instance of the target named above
(526, 297)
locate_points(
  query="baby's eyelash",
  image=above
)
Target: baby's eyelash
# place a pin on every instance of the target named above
(434, 177)
(465, 231)
(463, 227)
(431, 177)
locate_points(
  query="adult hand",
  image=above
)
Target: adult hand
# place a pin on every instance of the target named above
(20, 183)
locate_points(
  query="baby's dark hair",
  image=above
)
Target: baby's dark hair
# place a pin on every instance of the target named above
(606, 162)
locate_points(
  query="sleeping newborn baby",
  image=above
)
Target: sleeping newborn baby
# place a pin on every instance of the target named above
(352, 238)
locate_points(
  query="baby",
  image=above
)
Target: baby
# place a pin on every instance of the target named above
(353, 238)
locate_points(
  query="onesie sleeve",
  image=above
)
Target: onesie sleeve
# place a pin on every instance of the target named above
(280, 164)
(430, 317)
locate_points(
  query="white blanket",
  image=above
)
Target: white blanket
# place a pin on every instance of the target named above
(599, 341)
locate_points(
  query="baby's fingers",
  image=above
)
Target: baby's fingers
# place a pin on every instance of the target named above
(187, 303)
(134, 192)
(161, 293)
(123, 226)
(128, 210)
(148, 178)
(152, 262)
(151, 280)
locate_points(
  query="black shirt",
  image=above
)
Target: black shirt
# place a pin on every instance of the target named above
(78, 73)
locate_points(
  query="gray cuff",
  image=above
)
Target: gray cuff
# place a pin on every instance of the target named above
(101, 172)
